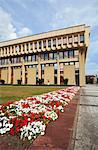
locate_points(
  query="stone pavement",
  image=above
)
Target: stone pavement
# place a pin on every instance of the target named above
(87, 126)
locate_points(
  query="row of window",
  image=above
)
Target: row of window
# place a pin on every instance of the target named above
(38, 44)
(44, 56)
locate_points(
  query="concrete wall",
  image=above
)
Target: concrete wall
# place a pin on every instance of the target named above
(4, 75)
(16, 75)
(49, 75)
(31, 75)
(69, 72)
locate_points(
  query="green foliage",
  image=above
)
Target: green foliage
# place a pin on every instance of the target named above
(2, 81)
(66, 81)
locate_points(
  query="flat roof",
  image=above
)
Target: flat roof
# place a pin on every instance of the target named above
(38, 35)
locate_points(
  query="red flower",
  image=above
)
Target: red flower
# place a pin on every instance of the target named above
(12, 131)
(36, 116)
(25, 105)
(44, 117)
(58, 104)
(17, 129)
(17, 122)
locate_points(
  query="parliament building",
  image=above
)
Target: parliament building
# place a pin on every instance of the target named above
(52, 56)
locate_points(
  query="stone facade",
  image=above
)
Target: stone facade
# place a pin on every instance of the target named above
(53, 56)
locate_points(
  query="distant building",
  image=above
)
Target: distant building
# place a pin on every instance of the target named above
(91, 79)
(52, 56)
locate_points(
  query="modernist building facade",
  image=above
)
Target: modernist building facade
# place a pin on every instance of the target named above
(52, 56)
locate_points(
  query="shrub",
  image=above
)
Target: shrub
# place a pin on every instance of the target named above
(2, 81)
(19, 82)
(66, 81)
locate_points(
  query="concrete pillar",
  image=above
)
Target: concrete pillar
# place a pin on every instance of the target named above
(58, 70)
(22, 49)
(56, 42)
(9, 74)
(4, 51)
(58, 73)
(39, 67)
(25, 47)
(23, 72)
(10, 50)
(1, 51)
(82, 68)
(47, 44)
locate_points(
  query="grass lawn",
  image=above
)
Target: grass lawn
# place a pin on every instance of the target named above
(13, 93)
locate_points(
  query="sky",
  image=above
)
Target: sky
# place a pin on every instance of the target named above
(20, 18)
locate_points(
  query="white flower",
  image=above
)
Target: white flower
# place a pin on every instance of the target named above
(29, 137)
(32, 130)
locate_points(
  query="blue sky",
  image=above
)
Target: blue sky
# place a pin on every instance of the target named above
(26, 17)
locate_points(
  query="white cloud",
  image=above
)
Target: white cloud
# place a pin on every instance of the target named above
(24, 32)
(70, 14)
(7, 30)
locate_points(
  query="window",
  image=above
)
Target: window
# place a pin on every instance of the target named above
(36, 57)
(59, 41)
(49, 43)
(71, 63)
(18, 59)
(55, 55)
(23, 47)
(33, 58)
(64, 40)
(27, 46)
(44, 43)
(2, 61)
(6, 61)
(12, 60)
(70, 39)
(76, 53)
(29, 58)
(66, 54)
(76, 39)
(55, 68)
(6, 50)
(46, 56)
(25, 58)
(82, 38)
(3, 51)
(50, 56)
(35, 45)
(31, 46)
(66, 63)
(55, 71)
(71, 54)
(42, 56)
(42, 66)
(54, 42)
(17, 48)
(60, 55)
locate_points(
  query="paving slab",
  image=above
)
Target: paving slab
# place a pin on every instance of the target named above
(87, 125)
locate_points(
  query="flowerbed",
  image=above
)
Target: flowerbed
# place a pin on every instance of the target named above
(28, 118)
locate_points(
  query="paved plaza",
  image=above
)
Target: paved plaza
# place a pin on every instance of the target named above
(87, 125)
